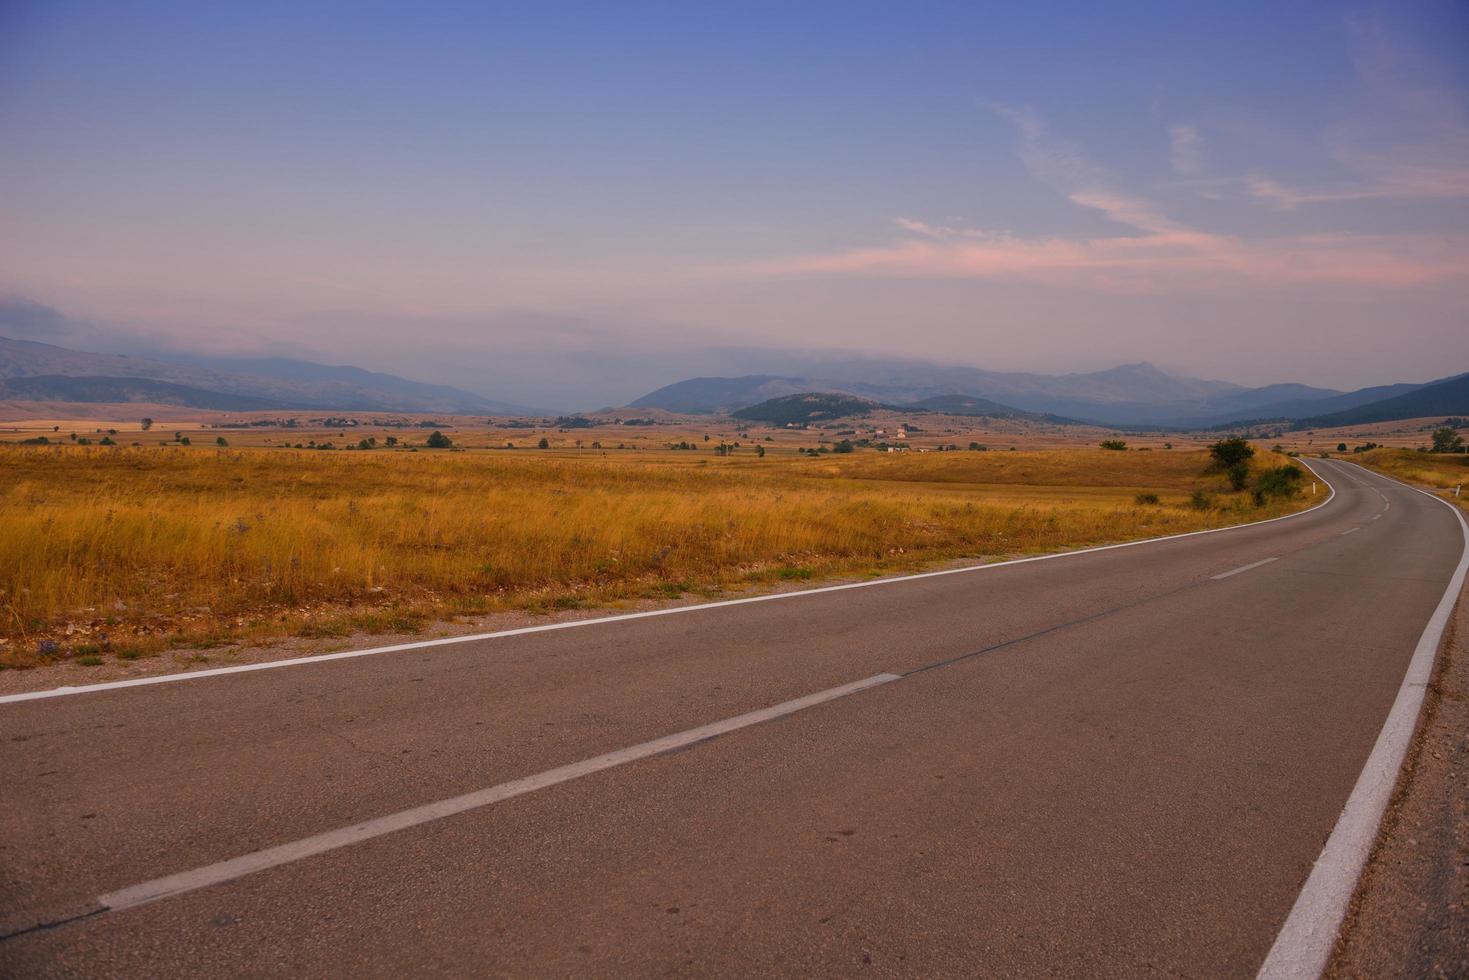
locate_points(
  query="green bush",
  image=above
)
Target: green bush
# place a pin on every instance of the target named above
(1113, 444)
(439, 441)
(1279, 481)
(1146, 498)
(1239, 475)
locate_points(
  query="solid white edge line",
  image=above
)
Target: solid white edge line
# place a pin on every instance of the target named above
(1304, 946)
(57, 692)
(222, 871)
(1243, 568)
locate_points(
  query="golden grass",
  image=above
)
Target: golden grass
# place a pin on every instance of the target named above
(1440, 471)
(127, 551)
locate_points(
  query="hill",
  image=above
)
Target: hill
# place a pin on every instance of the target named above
(808, 406)
(1450, 397)
(297, 384)
(92, 389)
(703, 396)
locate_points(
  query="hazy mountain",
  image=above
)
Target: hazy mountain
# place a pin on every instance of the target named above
(280, 382)
(1448, 397)
(1130, 394)
(311, 373)
(62, 388)
(1301, 407)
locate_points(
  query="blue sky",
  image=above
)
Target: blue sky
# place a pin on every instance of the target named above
(508, 196)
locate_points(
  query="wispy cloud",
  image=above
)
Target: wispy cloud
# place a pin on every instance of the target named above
(1408, 138)
(1186, 152)
(1152, 252)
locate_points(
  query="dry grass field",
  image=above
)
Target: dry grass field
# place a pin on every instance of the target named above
(116, 553)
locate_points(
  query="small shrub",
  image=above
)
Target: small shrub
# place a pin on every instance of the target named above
(1239, 475)
(1280, 481)
(1116, 444)
(90, 660)
(439, 441)
(1146, 498)
(544, 443)
(792, 572)
(1199, 500)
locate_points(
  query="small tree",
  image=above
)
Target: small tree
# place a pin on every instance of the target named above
(1239, 475)
(760, 451)
(544, 443)
(1231, 452)
(1117, 444)
(220, 441)
(392, 440)
(146, 424)
(1446, 440)
(845, 446)
(1341, 447)
(439, 441)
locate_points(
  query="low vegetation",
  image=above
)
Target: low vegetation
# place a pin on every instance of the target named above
(121, 552)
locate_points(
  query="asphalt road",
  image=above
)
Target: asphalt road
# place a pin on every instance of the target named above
(1110, 763)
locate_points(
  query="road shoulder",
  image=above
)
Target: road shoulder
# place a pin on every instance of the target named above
(1410, 913)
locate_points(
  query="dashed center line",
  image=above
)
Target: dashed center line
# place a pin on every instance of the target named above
(213, 874)
(1350, 530)
(1243, 568)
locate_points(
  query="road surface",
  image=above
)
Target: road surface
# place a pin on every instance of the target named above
(1116, 762)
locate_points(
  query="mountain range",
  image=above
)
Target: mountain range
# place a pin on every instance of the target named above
(1131, 395)
(1136, 395)
(225, 384)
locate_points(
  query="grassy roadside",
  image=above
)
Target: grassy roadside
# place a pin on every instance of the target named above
(1439, 472)
(114, 554)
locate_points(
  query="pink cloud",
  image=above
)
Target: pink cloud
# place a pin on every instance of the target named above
(1165, 256)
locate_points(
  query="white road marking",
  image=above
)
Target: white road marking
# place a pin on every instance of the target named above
(623, 617)
(1243, 568)
(1351, 530)
(213, 874)
(1303, 948)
